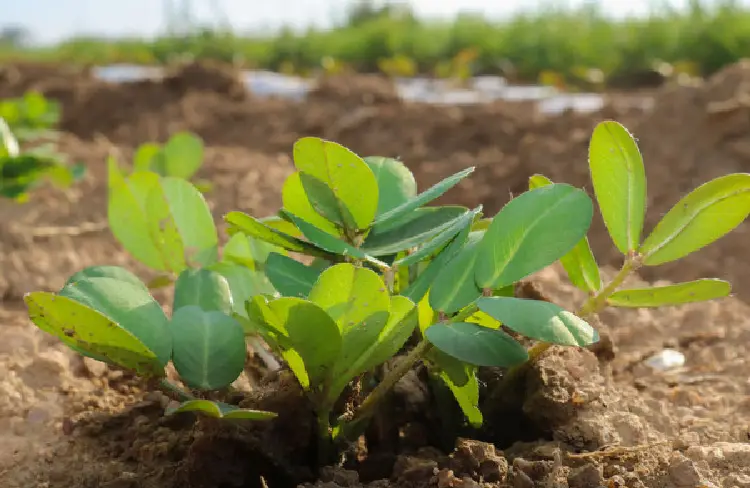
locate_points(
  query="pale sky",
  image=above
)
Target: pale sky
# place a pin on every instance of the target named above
(53, 20)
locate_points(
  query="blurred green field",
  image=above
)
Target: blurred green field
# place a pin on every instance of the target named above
(554, 45)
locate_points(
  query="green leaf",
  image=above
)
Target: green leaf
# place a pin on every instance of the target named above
(531, 232)
(425, 224)
(115, 272)
(476, 345)
(249, 251)
(83, 328)
(244, 283)
(448, 232)
(145, 155)
(290, 277)
(193, 219)
(203, 288)
(395, 216)
(419, 287)
(619, 181)
(677, 294)
(331, 244)
(466, 393)
(295, 201)
(309, 334)
(128, 217)
(373, 342)
(284, 226)
(183, 155)
(579, 263)
(241, 222)
(129, 305)
(454, 286)
(701, 217)
(209, 347)
(352, 296)
(339, 184)
(396, 184)
(539, 320)
(220, 410)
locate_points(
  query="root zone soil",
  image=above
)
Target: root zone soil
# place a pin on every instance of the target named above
(580, 421)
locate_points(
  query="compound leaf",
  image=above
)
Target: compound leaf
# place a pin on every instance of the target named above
(477, 345)
(220, 410)
(619, 181)
(208, 347)
(531, 232)
(203, 288)
(701, 217)
(85, 329)
(396, 184)
(677, 294)
(539, 320)
(339, 184)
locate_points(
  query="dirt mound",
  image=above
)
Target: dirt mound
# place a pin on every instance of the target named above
(355, 90)
(207, 76)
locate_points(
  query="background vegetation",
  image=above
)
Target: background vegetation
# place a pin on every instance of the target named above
(564, 41)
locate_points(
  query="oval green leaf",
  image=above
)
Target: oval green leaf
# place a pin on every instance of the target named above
(183, 155)
(203, 288)
(339, 184)
(310, 334)
(145, 155)
(83, 328)
(539, 320)
(208, 347)
(619, 181)
(114, 272)
(395, 216)
(396, 184)
(290, 277)
(677, 294)
(454, 286)
(701, 217)
(129, 305)
(220, 410)
(295, 201)
(476, 345)
(531, 232)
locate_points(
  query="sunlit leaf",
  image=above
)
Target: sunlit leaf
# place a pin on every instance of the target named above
(220, 410)
(677, 294)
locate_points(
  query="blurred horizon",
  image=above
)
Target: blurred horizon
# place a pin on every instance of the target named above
(48, 22)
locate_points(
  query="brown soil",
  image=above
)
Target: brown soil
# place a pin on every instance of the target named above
(66, 422)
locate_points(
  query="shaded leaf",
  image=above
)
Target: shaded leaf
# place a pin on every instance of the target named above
(455, 286)
(289, 276)
(476, 345)
(203, 288)
(220, 410)
(208, 347)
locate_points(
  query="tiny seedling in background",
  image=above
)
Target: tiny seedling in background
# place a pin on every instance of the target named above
(27, 149)
(384, 267)
(180, 157)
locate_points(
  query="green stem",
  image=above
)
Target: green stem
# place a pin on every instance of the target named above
(352, 427)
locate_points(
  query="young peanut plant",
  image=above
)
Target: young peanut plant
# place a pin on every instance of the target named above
(27, 152)
(384, 268)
